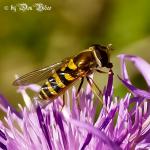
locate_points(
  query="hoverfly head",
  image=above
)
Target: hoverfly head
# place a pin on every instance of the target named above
(102, 55)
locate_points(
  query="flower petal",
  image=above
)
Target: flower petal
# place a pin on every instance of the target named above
(141, 64)
(58, 120)
(43, 125)
(3, 146)
(108, 91)
(96, 132)
(136, 91)
(4, 104)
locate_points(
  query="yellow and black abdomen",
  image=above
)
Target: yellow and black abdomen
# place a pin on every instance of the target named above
(59, 81)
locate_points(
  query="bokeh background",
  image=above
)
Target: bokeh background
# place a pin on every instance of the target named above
(32, 39)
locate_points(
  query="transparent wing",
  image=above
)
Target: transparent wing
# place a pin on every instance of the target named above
(37, 75)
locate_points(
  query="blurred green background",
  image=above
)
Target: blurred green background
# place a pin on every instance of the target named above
(32, 39)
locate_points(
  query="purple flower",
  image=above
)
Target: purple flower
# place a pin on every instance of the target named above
(121, 123)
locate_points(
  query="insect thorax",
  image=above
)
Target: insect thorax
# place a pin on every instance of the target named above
(85, 60)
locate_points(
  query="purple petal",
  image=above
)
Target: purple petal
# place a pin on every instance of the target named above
(124, 69)
(109, 86)
(43, 125)
(109, 117)
(75, 110)
(3, 146)
(107, 94)
(136, 99)
(58, 120)
(138, 120)
(103, 126)
(87, 141)
(4, 104)
(136, 91)
(141, 65)
(96, 132)
(145, 133)
(3, 135)
(121, 138)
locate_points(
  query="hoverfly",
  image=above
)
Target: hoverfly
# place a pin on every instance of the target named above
(62, 75)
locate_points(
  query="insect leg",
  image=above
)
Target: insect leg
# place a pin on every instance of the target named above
(92, 88)
(63, 104)
(99, 98)
(100, 92)
(100, 71)
(79, 88)
(63, 101)
(78, 91)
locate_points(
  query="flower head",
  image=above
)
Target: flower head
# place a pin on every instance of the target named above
(117, 125)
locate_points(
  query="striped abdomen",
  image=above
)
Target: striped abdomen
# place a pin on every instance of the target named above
(59, 81)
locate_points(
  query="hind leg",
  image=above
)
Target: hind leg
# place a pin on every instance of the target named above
(79, 88)
(78, 91)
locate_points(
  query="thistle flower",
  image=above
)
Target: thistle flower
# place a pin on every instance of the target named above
(118, 125)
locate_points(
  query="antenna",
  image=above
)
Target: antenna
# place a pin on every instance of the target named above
(109, 47)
